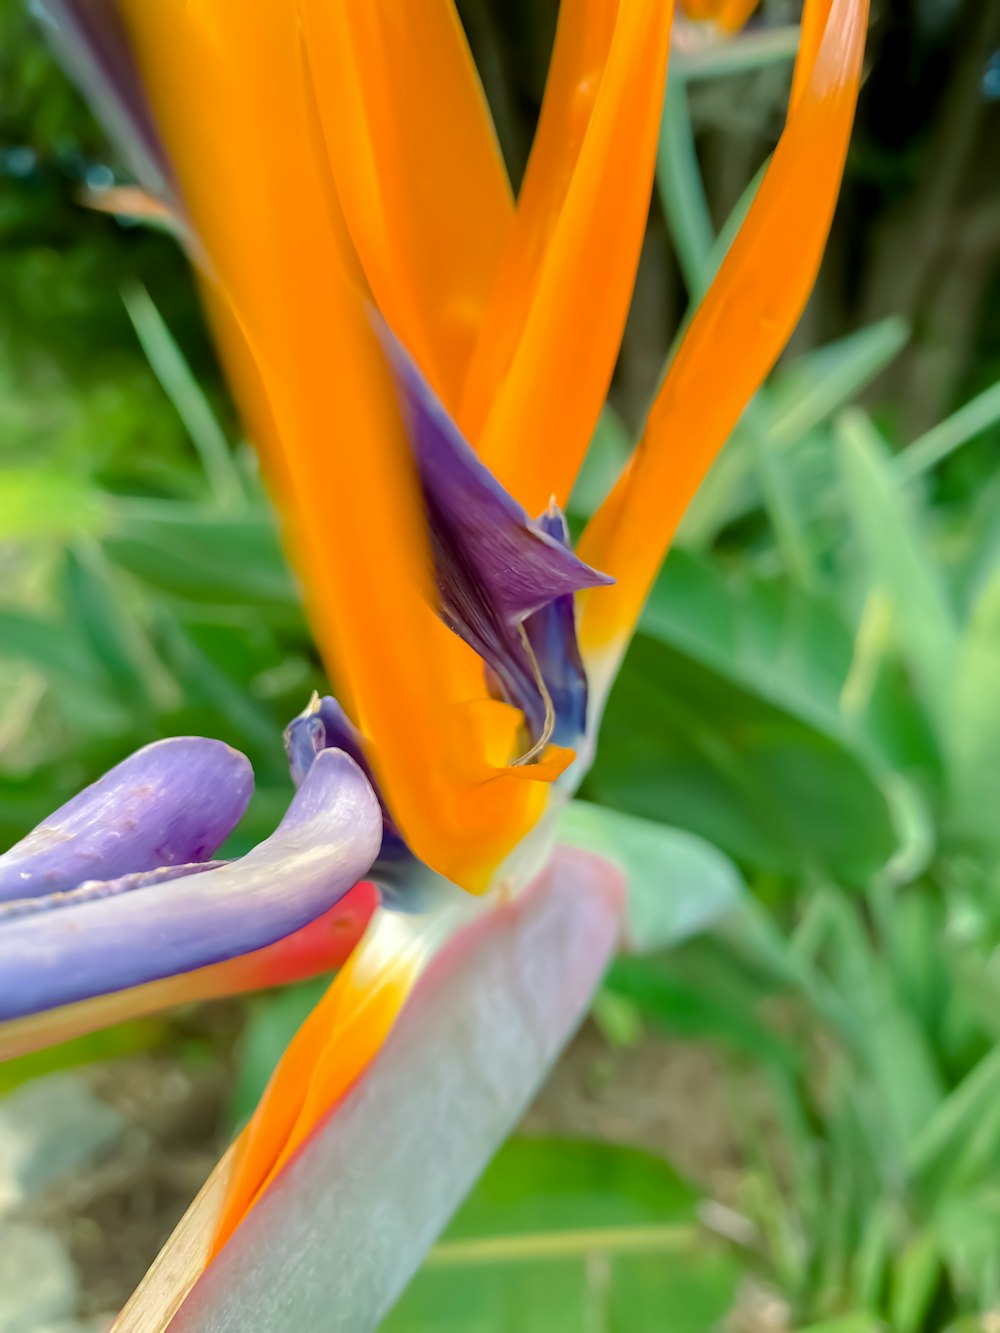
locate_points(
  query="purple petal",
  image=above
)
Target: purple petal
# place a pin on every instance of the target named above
(338, 1234)
(324, 725)
(494, 566)
(552, 635)
(90, 40)
(172, 802)
(92, 889)
(324, 845)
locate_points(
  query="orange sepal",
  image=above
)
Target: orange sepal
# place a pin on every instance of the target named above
(417, 169)
(737, 332)
(331, 1049)
(234, 105)
(551, 335)
(730, 15)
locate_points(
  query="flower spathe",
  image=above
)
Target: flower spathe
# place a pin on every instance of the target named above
(330, 156)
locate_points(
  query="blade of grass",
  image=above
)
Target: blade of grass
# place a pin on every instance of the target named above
(898, 562)
(938, 443)
(181, 387)
(681, 192)
(836, 374)
(740, 55)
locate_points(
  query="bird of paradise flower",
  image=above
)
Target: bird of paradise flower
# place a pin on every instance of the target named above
(421, 361)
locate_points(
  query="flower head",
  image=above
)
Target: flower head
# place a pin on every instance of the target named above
(421, 361)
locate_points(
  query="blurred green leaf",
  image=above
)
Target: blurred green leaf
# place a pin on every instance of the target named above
(143, 1034)
(725, 722)
(973, 708)
(607, 455)
(45, 645)
(940, 1147)
(974, 417)
(861, 1322)
(736, 55)
(196, 553)
(801, 395)
(677, 883)
(563, 1236)
(898, 560)
(48, 503)
(915, 1278)
(968, 1232)
(898, 1054)
(184, 391)
(682, 194)
(208, 683)
(117, 640)
(701, 990)
(871, 1263)
(812, 387)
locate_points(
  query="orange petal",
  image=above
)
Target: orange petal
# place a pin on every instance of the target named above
(417, 169)
(233, 104)
(551, 335)
(730, 15)
(736, 334)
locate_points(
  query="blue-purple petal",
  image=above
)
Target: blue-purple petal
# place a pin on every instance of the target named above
(173, 802)
(324, 725)
(92, 889)
(324, 845)
(90, 40)
(494, 567)
(552, 635)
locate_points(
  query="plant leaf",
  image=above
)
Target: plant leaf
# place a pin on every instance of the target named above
(898, 562)
(570, 1235)
(974, 721)
(726, 722)
(678, 884)
(203, 556)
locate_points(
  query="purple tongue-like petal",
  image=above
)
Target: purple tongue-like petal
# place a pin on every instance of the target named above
(493, 565)
(92, 889)
(90, 41)
(324, 845)
(172, 802)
